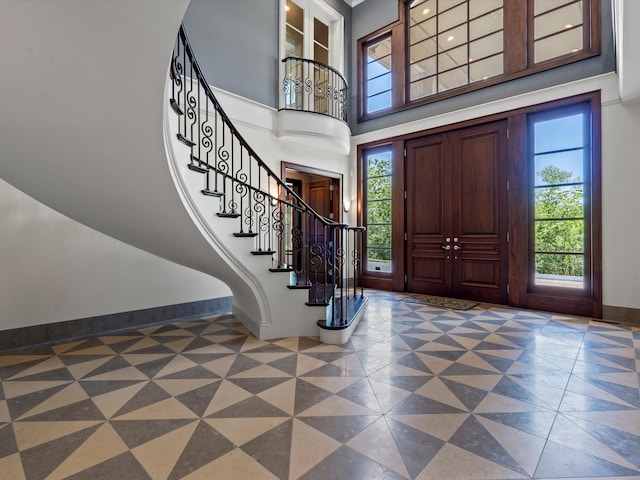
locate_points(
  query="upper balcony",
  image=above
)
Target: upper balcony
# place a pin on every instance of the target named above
(314, 105)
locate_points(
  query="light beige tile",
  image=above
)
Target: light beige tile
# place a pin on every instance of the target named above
(454, 463)
(165, 409)
(32, 434)
(104, 444)
(109, 403)
(261, 371)
(335, 406)
(281, 396)
(49, 364)
(11, 468)
(242, 430)
(308, 448)
(625, 420)
(220, 366)
(235, 465)
(79, 370)
(441, 426)
(307, 364)
(4, 412)
(494, 403)
(525, 449)
(128, 373)
(159, 456)
(228, 394)
(483, 382)
(377, 442)
(178, 364)
(332, 384)
(473, 360)
(175, 387)
(145, 342)
(436, 390)
(16, 389)
(388, 396)
(69, 395)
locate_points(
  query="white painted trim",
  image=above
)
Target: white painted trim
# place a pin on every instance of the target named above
(607, 83)
(353, 3)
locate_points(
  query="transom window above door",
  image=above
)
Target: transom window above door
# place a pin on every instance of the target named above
(441, 48)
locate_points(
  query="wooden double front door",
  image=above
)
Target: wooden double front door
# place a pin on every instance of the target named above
(456, 213)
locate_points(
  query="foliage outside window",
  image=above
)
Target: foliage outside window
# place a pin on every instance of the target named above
(378, 211)
(450, 47)
(560, 156)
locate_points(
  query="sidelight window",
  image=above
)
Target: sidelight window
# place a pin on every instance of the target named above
(560, 159)
(378, 194)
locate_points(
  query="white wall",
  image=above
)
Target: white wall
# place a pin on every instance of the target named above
(55, 269)
(621, 204)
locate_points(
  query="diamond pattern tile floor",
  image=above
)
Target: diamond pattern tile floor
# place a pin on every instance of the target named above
(417, 393)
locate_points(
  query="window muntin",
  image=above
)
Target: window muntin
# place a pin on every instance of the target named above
(560, 159)
(378, 81)
(378, 214)
(453, 43)
(504, 40)
(558, 28)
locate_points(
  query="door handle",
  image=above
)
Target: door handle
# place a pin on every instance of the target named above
(456, 247)
(445, 247)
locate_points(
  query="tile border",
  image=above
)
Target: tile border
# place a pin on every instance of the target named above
(59, 332)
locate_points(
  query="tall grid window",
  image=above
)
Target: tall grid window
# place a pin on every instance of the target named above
(378, 75)
(443, 48)
(559, 158)
(453, 43)
(558, 27)
(378, 214)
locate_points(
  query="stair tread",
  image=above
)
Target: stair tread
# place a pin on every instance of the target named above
(263, 252)
(228, 215)
(245, 234)
(212, 193)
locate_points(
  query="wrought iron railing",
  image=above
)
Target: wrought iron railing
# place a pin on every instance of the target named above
(312, 86)
(298, 240)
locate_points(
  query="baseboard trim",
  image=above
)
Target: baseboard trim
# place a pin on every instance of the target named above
(621, 314)
(59, 332)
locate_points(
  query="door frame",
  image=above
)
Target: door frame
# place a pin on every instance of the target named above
(519, 293)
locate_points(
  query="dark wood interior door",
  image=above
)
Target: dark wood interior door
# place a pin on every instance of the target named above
(456, 214)
(318, 197)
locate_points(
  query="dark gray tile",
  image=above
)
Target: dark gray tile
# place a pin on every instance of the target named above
(59, 374)
(307, 395)
(576, 402)
(99, 387)
(416, 447)
(473, 437)
(192, 373)
(85, 410)
(122, 467)
(199, 399)
(340, 428)
(630, 395)
(469, 396)
(416, 404)
(410, 383)
(8, 444)
(273, 449)
(137, 432)
(413, 361)
(22, 404)
(257, 385)
(148, 395)
(288, 364)
(152, 368)
(38, 462)
(115, 363)
(361, 393)
(252, 407)
(508, 388)
(204, 446)
(534, 423)
(346, 463)
(559, 461)
(241, 364)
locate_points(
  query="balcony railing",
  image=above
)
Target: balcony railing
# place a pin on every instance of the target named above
(311, 86)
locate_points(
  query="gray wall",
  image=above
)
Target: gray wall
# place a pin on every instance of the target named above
(372, 15)
(236, 44)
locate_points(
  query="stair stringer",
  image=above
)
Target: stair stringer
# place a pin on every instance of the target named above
(261, 300)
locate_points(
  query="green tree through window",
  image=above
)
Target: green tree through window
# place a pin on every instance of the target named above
(378, 213)
(559, 234)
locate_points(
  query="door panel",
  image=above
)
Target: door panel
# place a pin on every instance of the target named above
(479, 221)
(456, 213)
(427, 215)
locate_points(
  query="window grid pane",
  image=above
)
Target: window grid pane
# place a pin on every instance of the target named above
(463, 32)
(378, 80)
(378, 210)
(558, 29)
(559, 191)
